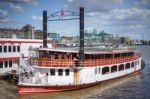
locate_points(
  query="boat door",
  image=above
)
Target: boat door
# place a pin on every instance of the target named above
(75, 76)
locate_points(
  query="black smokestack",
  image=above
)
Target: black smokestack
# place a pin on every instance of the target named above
(45, 29)
(81, 52)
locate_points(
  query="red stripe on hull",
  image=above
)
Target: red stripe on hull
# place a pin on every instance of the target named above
(19, 42)
(9, 58)
(23, 90)
(26, 90)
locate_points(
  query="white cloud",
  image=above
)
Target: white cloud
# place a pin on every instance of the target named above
(34, 3)
(145, 2)
(121, 21)
(130, 14)
(70, 31)
(4, 20)
(92, 14)
(142, 4)
(36, 17)
(106, 13)
(3, 16)
(27, 1)
(136, 26)
(120, 1)
(133, 14)
(94, 5)
(16, 7)
(70, 0)
(3, 13)
(18, 1)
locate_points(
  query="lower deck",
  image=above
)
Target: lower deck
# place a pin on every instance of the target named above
(56, 76)
(8, 65)
(25, 89)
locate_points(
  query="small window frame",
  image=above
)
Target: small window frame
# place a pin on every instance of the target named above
(60, 72)
(67, 72)
(52, 72)
(14, 48)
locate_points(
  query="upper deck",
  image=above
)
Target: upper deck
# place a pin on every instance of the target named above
(66, 57)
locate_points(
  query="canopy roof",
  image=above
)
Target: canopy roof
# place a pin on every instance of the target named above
(89, 50)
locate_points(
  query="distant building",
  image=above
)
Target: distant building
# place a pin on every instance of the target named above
(38, 34)
(53, 36)
(94, 37)
(136, 42)
(27, 32)
(11, 33)
(66, 40)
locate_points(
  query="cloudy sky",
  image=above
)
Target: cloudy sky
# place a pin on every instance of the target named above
(122, 17)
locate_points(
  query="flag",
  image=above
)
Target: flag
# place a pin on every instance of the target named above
(62, 13)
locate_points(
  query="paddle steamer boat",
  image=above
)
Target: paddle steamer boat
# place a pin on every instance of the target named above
(60, 69)
(50, 70)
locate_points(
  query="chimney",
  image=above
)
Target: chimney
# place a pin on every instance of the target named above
(44, 29)
(81, 20)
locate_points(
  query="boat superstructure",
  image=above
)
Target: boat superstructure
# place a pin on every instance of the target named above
(11, 49)
(49, 70)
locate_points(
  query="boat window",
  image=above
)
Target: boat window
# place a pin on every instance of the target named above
(132, 53)
(56, 56)
(88, 56)
(95, 70)
(132, 64)
(116, 55)
(60, 72)
(63, 56)
(124, 54)
(105, 70)
(10, 63)
(9, 48)
(42, 54)
(0, 48)
(18, 48)
(1, 64)
(5, 48)
(121, 67)
(102, 56)
(108, 55)
(113, 69)
(128, 54)
(52, 72)
(138, 61)
(49, 55)
(127, 66)
(14, 48)
(16, 62)
(135, 63)
(67, 72)
(99, 70)
(98, 56)
(6, 64)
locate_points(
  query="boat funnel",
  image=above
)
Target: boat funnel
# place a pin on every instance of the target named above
(81, 21)
(44, 29)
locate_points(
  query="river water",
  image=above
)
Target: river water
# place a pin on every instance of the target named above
(133, 87)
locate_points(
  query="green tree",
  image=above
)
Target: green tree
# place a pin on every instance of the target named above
(122, 40)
